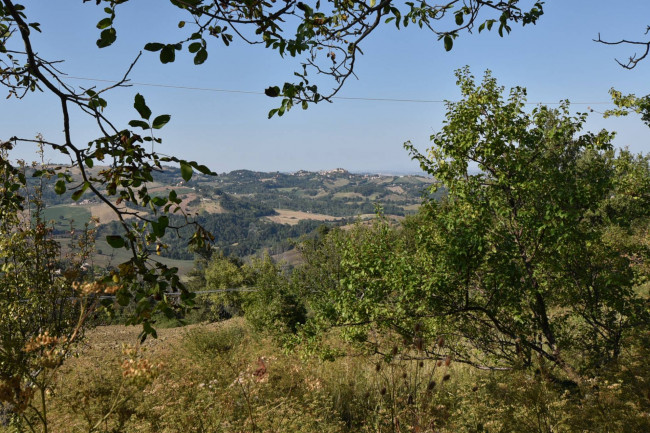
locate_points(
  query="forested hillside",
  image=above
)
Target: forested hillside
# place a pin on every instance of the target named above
(248, 212)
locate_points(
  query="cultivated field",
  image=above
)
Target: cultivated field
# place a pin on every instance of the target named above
(292, 217)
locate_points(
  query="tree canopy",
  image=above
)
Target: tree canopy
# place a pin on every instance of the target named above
(537, 257)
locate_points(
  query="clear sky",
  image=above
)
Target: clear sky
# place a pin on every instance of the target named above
(554, 60)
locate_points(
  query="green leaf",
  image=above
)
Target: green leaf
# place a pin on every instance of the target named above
(194, 47)
(186, 171)
(139, 123)
(159, 201)
(106, 38)
(459, 18)
(201, 57)
(168, 54)
(141, 106)
(77, 194)
(203, 169)
(59, 187)
(97, 102)
(163, 221)
(104, 23)
(160, 226)
(272, 91)
(115, 241)
(154, 46)
(160, 121)
(449, 42)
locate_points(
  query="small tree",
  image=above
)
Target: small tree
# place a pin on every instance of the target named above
(521, 254)
(45, 300)
(535, 258)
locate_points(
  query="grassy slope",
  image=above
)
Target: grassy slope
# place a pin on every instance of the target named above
(227, 378)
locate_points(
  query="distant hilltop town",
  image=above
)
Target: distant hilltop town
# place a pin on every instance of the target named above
(334, 171)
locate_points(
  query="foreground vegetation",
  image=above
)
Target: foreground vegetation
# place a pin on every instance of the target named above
(238, 381)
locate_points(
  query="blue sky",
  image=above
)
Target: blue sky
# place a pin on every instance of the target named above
(554, 60)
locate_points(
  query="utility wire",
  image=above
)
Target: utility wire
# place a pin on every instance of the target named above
(348, 98)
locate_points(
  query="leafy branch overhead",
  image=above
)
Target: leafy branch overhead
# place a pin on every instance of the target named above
(126, 165)
(327, 35)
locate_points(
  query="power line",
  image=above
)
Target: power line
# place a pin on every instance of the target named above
(348, 98)
(168, 86)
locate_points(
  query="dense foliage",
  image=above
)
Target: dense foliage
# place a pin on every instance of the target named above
(538, 261)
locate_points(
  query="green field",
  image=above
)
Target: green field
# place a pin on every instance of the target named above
(107, 255)
(65, 217)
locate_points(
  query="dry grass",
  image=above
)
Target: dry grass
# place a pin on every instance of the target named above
(104, 213)
(211, 206)
(396, 189)
(291, 257)
(292, 217)
(104, 340)
(412, 207)
(224, 377)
